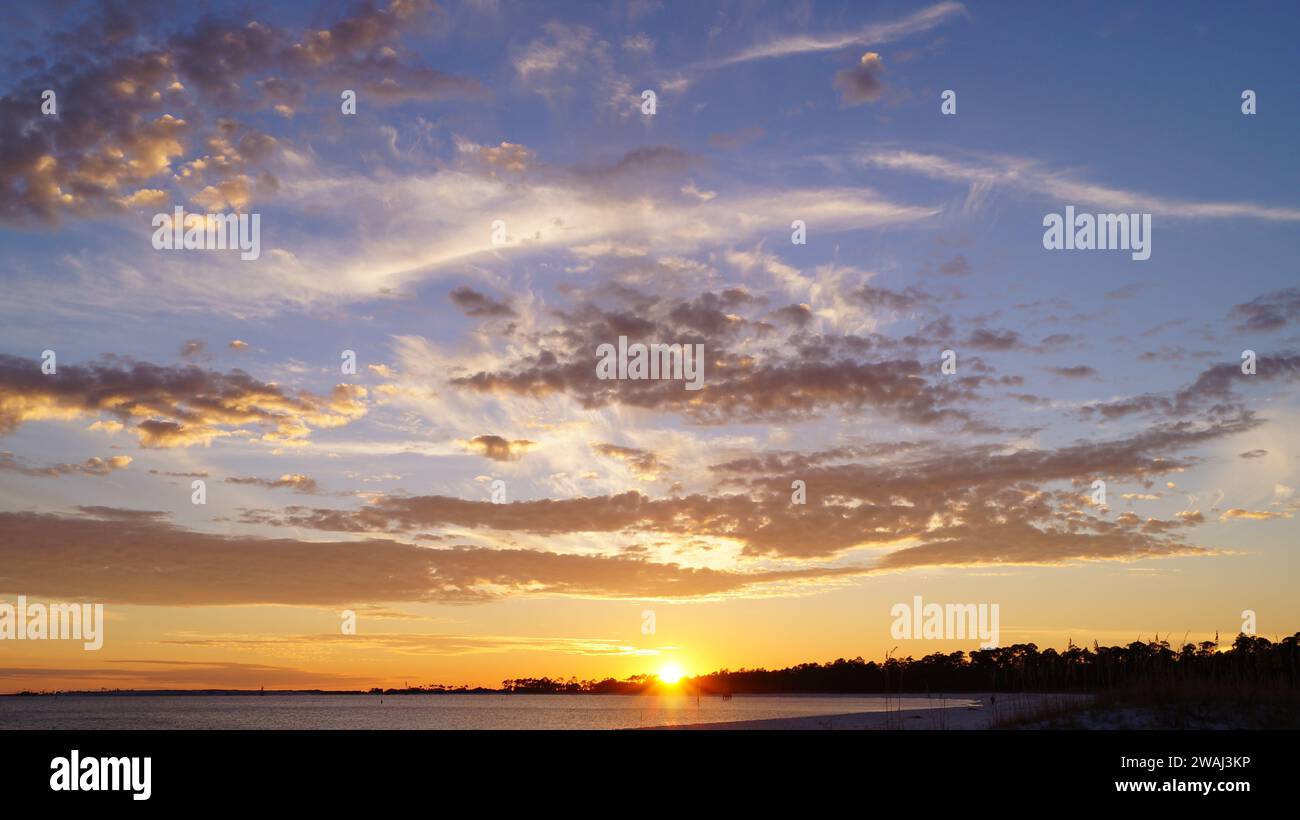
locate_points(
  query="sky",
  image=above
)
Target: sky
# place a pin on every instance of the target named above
(505, 199)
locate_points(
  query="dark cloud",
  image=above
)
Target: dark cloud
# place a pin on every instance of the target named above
(995, 340)
(1055, 340)
(498, 448)
(972, 499)
(297, 482)
(179, 405)
(886, 299)
(971, 541)
(643, 463)
(118, 557)
(733, 140)
(861, 83)
(1272, 311)
(473, 303)
(1215, 387)
(735, 391)
(1078, 371)
(803, 379)
(1126, 292)
(657, 166)
(133, 112)
(798, 315)
(94, 466)
(957, 266)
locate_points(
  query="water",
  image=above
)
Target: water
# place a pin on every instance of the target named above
(425, 711)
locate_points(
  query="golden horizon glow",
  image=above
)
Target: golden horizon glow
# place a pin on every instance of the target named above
(670, 673)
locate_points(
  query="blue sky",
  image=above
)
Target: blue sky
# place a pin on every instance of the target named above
(475, 360)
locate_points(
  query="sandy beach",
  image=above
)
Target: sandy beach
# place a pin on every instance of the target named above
(990, 711)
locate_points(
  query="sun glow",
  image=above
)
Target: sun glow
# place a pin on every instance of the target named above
(670, 673)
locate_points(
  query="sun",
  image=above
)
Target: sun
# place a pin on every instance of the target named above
(670, 673)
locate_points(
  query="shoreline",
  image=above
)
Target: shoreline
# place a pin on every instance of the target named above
(990, 710)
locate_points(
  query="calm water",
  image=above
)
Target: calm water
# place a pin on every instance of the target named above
(423, 711)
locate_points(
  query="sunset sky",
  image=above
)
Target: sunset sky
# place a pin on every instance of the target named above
(328, 491)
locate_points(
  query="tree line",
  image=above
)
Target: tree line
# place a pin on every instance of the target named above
(1015, 668)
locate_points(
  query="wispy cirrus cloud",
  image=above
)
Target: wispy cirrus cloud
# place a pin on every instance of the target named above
(874, 34)
(1031, 177)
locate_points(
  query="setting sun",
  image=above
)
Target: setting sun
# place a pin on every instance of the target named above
(671, 673)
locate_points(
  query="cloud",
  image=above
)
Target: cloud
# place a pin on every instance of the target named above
(644, 464)
(971, 542)
(297, 482)
(409, 643)
(965, 506)
(164, 674)
(177, 406)
(861, 83)
(508, 156)
(356, 52)
(797, 315)
(553, 63)
(473, 303)
(872, 35)
(1030, 177)
(94, 466)
(746, 376)
(776, 390)
(162, 434)
(174, 474)
(639, 43)
(381, 235)
(984, 339)
(498, 448)
(735, 140)
(1078, 371)
(1215, 386)
(432, 222)
(957, 266)
(1126, 292)
(1253, 515)
(117, 556)
(886, 299)
(132, 111)
(1272, 311)
(555, 50)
